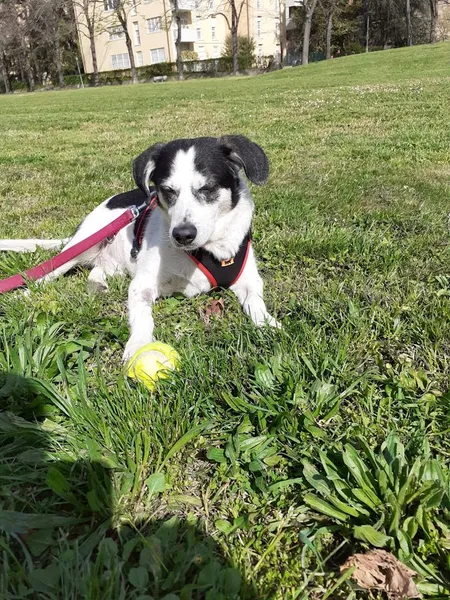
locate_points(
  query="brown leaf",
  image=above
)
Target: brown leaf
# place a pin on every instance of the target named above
(214, 307)
(380, 570)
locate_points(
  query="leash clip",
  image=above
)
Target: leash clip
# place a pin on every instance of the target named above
(134, 212)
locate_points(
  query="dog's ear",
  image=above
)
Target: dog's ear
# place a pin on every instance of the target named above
(247, 155)
(144, 166)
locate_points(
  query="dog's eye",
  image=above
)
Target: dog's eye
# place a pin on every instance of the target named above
(168, 191)
(206, 189)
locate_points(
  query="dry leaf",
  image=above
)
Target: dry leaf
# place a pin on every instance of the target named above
(215, 307)
(380, 570)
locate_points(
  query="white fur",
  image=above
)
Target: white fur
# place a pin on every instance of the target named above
(162, 268)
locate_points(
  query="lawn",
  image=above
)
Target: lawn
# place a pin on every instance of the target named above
(272, 456)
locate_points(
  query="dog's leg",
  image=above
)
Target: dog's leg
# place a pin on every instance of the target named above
(249, 291)
(142, 294)
(96, 281)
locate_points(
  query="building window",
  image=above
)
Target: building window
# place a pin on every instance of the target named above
(157, 55)
(211, 4)
(277, 54)
(199, 33)
(120, 61)
(137, 35)
(116, 33)
(139, 59)
(277, 29)
(201, 53)
(258, 4)
(133, 11)
(213, 33)
(260, 53)
(258, 28)
(109, 4)
(216, 52)
(276, 5)
(147, 1)
(154, 25)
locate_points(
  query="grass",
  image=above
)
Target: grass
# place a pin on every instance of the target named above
(272, 456)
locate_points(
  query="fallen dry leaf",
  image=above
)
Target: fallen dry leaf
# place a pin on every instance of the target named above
(380, 570)
(214, 307)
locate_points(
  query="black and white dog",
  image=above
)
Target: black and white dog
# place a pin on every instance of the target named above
(197, 237)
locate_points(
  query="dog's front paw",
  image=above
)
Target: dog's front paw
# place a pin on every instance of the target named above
(133, 345)
(271, 322)
(266, 320)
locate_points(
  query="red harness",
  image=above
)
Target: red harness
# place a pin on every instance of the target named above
(219, 273)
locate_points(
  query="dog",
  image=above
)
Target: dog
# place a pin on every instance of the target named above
(197, 237)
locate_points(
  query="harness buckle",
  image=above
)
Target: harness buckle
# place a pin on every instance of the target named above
(227, 262)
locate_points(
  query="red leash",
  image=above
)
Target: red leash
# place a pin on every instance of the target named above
(16, 281)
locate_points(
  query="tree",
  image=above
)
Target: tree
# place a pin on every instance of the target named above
(87, 15)
(433, 7)
(331, 10)
(122, 11)
(5, 43)
(246, 51)
(309, 6)
(52, 26)
(231, 11)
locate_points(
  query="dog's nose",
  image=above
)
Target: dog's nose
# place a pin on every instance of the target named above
(184, 234)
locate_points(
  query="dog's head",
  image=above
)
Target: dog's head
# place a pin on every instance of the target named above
(198, 181)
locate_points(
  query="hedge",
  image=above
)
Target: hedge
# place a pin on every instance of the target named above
(118, 76)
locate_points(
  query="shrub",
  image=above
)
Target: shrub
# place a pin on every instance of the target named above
(210, 65)
(189, 55)
(246, 51)
(74, 79)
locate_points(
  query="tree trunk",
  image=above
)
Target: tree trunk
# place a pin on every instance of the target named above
(234, 36)
(58, 64)
(131, 55)
(433, 20)
(28, 70)
(310, 8)
(123, 21)
(367, 32)
(329, 31)
(4, 72)
(234, 49)
(93, 54)
(409, 41)
(130, 52)
(178, 40)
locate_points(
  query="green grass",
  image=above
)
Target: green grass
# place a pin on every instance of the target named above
(272, 456)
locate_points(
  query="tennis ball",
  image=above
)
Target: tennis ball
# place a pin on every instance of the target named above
(152, 362)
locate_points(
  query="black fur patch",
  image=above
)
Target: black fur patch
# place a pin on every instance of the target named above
(127, 199)
(218, 159)
(210, 161)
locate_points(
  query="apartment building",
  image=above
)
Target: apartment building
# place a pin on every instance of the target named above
(204, 31)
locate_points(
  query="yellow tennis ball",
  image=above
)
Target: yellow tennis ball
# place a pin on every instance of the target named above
(152, 362)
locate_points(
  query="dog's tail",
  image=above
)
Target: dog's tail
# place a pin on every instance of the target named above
(30, 245)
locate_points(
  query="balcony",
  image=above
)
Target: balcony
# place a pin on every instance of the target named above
(291, 4)
(185, 4)
(188, 34)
